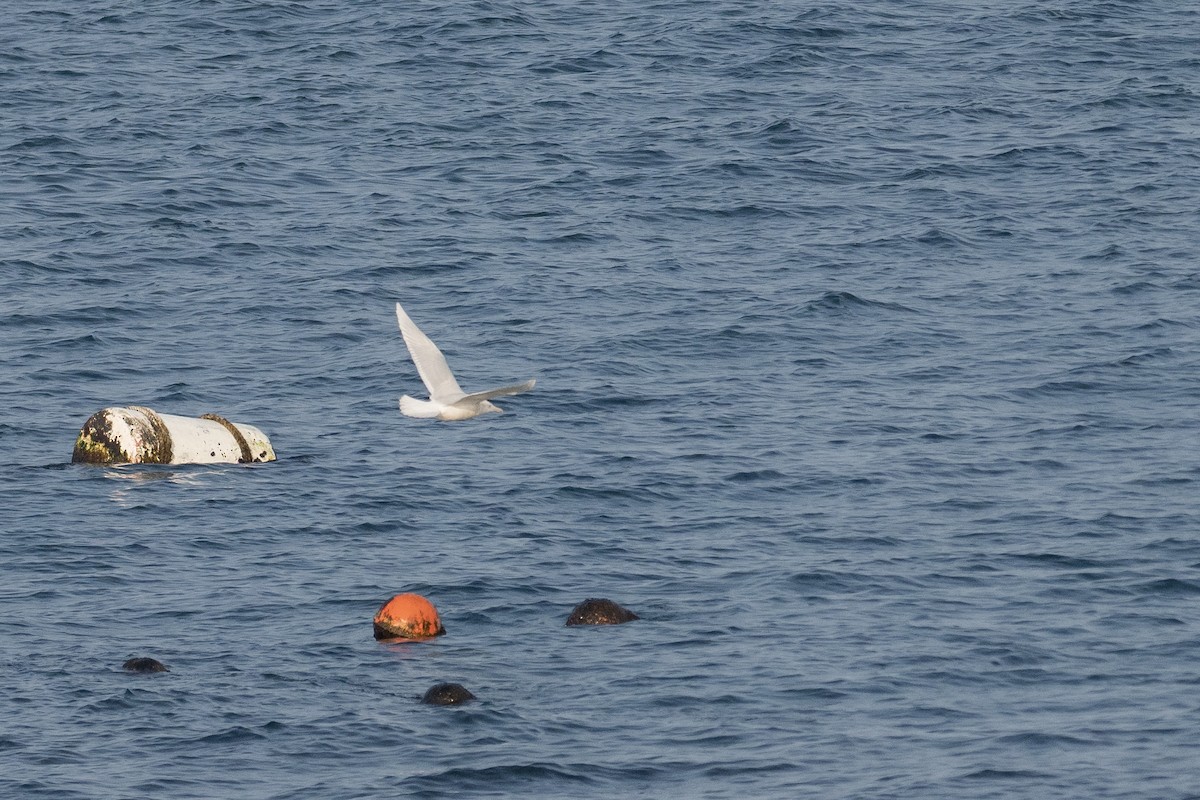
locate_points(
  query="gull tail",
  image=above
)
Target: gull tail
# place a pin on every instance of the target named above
(422, 409)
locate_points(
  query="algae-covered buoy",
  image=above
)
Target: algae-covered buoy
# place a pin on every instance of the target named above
(140, 435)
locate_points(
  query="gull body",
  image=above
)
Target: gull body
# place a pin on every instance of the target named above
(447, 401)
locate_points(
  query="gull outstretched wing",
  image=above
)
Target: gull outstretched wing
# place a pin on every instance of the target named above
(431, 364)
(490, 393)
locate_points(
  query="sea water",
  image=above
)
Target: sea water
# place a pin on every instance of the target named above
(867, 340)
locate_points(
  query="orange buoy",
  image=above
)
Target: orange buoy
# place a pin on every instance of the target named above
(407, 616)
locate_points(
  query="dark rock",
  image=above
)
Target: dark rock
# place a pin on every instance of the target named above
(597, 611)
(447, 694)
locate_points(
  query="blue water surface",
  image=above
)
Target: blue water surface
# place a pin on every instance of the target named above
(867, 338)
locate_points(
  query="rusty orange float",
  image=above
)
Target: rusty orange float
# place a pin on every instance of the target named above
(407, 616)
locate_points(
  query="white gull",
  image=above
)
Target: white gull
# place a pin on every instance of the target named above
(446, 400)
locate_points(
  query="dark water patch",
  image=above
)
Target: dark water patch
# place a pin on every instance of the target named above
(1164, 324)
(1063, 387)
(1148, 356)
(1055, 561)
(577, 238)
(16, 55)
(237, 734)
(1046, 156)
(169, 786)
(1136, 620)
(49, 143)
(595, 61)
(1169, 587)
(846, 302)
(693, 701)
(1006, 776)
(131, 699)
(744, 211)
(755, 476)
(939, 238)
(1110, 252)
(1135, 288)
(623, 493)
(514, 775)
(786, 132)
(49, 788)
(56, 757)
(824, 583)
(746, 769)
(816, 696)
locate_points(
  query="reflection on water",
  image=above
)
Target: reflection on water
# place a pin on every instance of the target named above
(133, 475)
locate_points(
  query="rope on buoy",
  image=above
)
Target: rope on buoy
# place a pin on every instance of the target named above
(162, 450)
(243, 445)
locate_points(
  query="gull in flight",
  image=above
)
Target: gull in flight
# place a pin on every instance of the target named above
(446, 400)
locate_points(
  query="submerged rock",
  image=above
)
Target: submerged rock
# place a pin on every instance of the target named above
(598, 611)
(447, 694)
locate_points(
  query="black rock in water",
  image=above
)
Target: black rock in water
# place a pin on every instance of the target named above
(597, 611)
(447, 694)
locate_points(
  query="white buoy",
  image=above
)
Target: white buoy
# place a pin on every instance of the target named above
(139, 435)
